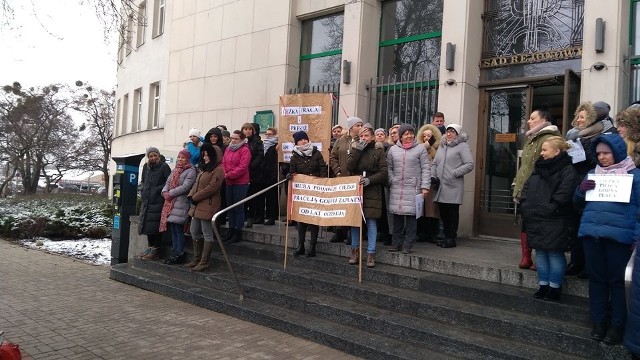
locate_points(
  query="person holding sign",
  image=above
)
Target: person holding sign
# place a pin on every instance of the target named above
(547, 213)
(409, 175)
(367, 158)
(608, 230)
(307, 160)
(540, 128)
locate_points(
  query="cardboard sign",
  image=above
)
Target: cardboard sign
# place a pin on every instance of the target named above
(310, 113)
(576, 151)
(325, 201)
(610, 187)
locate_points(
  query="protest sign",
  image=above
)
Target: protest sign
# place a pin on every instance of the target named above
(610, 187)
(325, 201)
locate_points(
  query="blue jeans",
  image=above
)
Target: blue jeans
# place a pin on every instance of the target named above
(236, 193)
(372, 235)
(201, 228)
(177, 237)
(551, 266)
(606, 261)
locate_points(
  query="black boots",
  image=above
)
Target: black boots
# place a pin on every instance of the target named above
(230, 234)
(614, 335)
(542, 292)
(447, 243)
(237, 236)
(553, 294)
(249, 223)
(300, 249)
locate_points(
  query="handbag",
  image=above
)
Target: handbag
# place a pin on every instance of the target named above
(435, 183)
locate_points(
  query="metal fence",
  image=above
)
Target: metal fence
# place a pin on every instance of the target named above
(402, 99)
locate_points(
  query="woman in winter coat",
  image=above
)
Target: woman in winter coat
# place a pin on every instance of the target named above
(368, 159)
(255, 209)
(608, 231)
(176, 205)
(547, 212)
(429, 224)
(235, 164)
(270, 176)
(409, 175)
(214, 136)
(586, 125)
(453, 161)
(154, 175)
(540, 128)
(205, 202)
(628, 125)
(306, 159)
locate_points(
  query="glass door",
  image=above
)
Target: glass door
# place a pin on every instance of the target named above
(506, 112)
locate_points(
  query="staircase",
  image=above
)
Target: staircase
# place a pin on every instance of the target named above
(397, 312)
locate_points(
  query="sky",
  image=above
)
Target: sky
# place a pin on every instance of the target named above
(56, 41)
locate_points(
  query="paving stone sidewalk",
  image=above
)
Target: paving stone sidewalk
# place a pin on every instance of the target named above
(56, 307)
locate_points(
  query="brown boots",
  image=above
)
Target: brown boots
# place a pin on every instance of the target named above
(526, 261)
(370, 261)
(197, 253)
(206, 252)
(354, 256)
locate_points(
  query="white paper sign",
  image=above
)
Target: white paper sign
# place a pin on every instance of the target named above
(419, 205)
(576, 151)
(610, 187)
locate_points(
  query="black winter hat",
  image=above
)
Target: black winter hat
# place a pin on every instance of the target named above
(299, 136)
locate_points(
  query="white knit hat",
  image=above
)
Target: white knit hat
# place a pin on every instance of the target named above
(455, 127)
(194, 132)
(352, 121)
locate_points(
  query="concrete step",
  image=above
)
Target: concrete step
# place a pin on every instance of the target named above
(474, 258)
(400, 303)
(342, 337)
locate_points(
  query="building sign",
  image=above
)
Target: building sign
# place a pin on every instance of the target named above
(534, 57)
(505, 138)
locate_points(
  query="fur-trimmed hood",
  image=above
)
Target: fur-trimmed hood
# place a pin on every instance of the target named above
(459, 139)
(434, 130)
(630, 117)
(590, 117)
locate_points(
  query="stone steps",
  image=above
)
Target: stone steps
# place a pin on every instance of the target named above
(395, 312)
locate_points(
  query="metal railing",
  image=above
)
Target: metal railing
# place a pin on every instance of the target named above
(217, 232)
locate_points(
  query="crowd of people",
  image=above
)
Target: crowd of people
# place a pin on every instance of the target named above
(397, 167)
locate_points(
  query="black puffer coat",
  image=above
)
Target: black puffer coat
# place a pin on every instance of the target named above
(313, 165)
(270, 170)
(372, 160)
(546, 202)
(153, 179)
(256, 166)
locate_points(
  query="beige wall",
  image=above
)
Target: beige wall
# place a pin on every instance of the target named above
(612, 83)
(462, 26)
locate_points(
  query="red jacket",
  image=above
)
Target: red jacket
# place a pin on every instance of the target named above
(236, 165)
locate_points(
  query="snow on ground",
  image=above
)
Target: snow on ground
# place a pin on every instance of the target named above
(94, 251)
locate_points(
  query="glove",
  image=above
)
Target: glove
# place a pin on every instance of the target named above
(360, 145)
(587, 185)
(365, 181)
(192, 201)
(166, 196)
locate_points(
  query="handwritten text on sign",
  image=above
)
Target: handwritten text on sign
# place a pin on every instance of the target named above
(610, 187)
(326, 202)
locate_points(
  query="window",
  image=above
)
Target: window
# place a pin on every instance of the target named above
(137, 110)
(116, 121)
(154, 105)
(409, 62)
(634, 42)
(142, 23)
(125, 114)
(410, 36)
(128, 43)
(321, 50)
(158, 17)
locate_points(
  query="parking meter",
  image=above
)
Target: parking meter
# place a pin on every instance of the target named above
(125, 196)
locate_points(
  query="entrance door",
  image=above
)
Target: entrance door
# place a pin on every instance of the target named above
(505, 112)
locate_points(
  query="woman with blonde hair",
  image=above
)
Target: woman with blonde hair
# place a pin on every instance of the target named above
(429, 225)
(547, 213)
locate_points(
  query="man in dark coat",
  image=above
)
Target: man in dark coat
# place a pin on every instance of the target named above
(154, 175)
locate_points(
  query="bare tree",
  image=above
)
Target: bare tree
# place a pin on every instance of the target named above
(97, 108)
(36, 131)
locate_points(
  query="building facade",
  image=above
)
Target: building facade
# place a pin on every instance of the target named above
(486, 64)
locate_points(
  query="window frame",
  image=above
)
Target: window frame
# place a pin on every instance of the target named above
(318, 55)
(142, 24)
(137, 111)
(125, 113)
(159, 17)
(154, 105)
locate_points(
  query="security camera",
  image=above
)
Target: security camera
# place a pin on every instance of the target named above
(450, 81)
(599, 66)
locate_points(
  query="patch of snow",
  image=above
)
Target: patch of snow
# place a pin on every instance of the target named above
(94, 251)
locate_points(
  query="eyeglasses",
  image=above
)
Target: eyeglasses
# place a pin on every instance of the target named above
(235, 138)
(269, 134)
